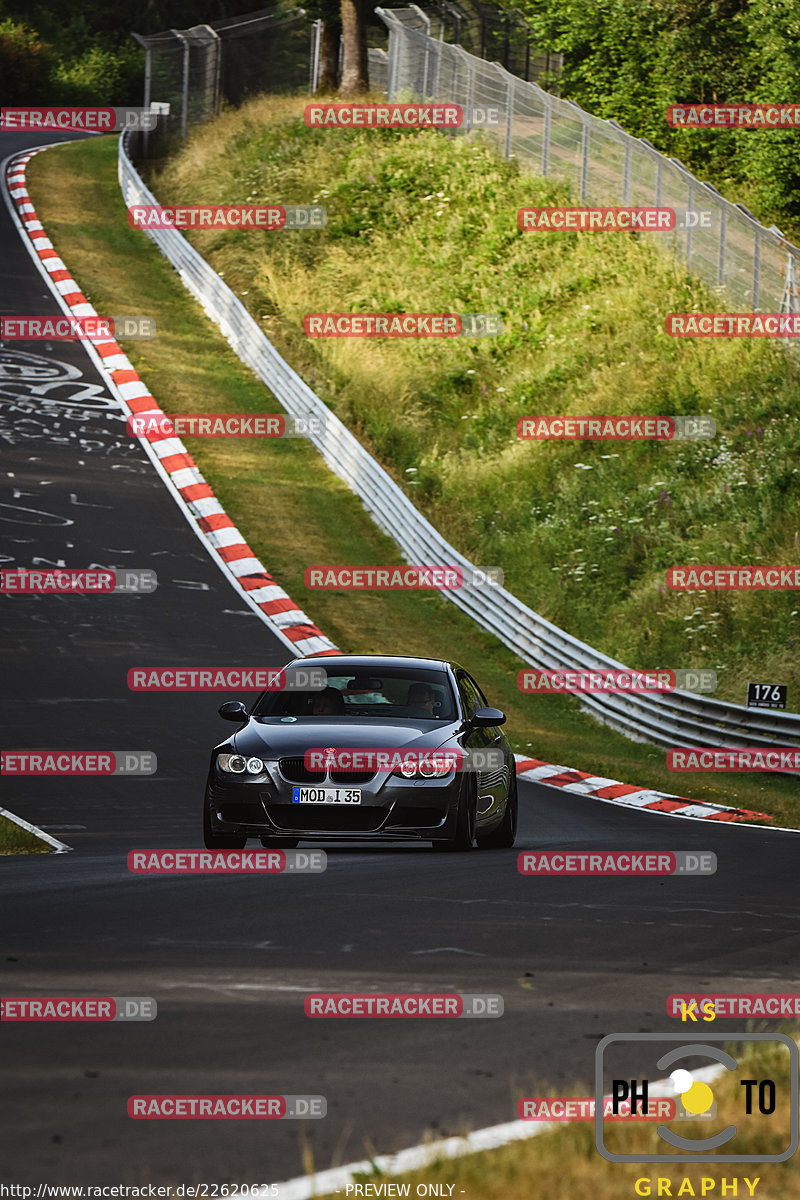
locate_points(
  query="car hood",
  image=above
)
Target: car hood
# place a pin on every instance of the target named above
(276, 739)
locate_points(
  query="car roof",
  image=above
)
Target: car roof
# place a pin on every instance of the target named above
(369, 662)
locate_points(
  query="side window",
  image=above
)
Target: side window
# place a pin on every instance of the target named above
(482, 701)
(469, 695)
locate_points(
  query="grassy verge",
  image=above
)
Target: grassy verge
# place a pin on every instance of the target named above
(565, 1164)
(16, 840)
(294, 512)
(584, 531)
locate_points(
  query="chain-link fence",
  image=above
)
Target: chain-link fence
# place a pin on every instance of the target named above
(483, 28)
(722, 243)
(192, 70)
(486, 30)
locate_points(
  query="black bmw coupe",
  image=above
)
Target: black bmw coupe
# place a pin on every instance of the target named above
(380, 748)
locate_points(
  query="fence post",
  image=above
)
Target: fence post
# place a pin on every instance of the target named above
(723, 231)
(546, 136)
(184, 83)
(316, 40)
(689, 203)
(584, 162)
(147, 98)
(790, 301)
(509, 114)
(394, 64)
(217, 43)
(470, 94)
(756, 268)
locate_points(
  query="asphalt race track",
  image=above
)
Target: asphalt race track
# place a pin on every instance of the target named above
(229, 959)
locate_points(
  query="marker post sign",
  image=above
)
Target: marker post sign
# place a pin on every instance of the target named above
(766, 695)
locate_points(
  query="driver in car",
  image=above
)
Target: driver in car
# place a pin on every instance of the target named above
(422, 696)
(327, 703)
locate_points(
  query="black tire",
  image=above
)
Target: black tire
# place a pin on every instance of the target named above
(464, 836)
(504, 836)
(220, 841)
(279, 843)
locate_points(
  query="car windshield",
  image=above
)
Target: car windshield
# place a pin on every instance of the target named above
(389, 694)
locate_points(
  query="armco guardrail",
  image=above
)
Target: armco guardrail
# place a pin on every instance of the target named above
(671, 719)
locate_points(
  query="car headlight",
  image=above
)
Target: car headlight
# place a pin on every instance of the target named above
(439, 764)
(237, 764)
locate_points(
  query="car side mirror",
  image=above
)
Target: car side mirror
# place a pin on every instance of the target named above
(233, 710)
(486, 717)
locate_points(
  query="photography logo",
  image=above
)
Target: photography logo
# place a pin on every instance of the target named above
(761, 1094)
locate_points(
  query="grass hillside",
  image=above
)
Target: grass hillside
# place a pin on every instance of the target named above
(584, 531)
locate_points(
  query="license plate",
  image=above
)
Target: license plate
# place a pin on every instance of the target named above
(325, 795)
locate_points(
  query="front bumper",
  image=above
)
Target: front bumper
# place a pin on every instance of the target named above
(392, 809)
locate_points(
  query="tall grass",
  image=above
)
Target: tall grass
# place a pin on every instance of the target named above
(583, 531)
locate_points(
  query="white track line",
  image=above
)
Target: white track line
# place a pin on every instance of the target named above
(59, 847)
(305, 1187)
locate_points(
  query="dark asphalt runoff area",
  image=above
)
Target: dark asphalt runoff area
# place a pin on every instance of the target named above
(230, 958)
